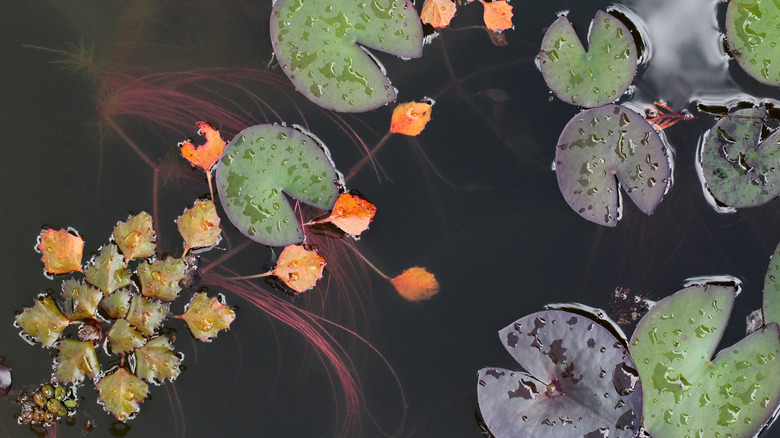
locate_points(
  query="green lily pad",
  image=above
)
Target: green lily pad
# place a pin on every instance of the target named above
(604, 148)
(121, 392)
(598, 76)
(156, 361)
(318, 45)
(771, 307)
(76, 360)
(207, 316)
(43, 321)
(146, 315)
(752, 33)
(80, 300)
(739, 170)
(687, 392)
(107, 271)
(259, 166)
(160, 278)
(117, 304)
(123, 337)
(136, 237)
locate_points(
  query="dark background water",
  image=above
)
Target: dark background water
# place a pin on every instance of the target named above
(502, 245)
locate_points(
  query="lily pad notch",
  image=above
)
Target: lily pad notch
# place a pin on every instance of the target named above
(322, 46)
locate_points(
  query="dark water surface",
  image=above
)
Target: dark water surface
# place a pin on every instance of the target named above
(502, 244)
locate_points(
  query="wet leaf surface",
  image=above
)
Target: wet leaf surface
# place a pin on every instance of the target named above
(687, 391)
(107, 271)
(207, 316)
(80, 300)
(497, 15)
(121, 392)
(603, 149)
(740, 170)
(43, 322)
(147, 314)
(771, 306)
(156, 361)
(117, 304)
(123, 337)
(416, 284)
(596, 77)
(351, 214)
(580, 381)
(160, 278)
(752, 32)
(410, 118)
(299, 268)
(318, 45)
(199, 225)
(61, 251)
(76, 360)
(438, 13)
(136, 237)
(260, 166)
(205, 155)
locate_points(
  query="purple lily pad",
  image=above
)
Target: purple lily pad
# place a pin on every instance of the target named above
(580, 381)
(603, 148)
(6, 381)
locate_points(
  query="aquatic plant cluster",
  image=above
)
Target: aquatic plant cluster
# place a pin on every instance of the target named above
(581, 375)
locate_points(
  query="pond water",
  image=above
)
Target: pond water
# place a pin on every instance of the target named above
(489, 221)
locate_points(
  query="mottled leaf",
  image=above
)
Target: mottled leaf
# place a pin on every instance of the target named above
(199, 225)
(107, 271)
(752, 33)
(80, 300)
(206, 316)
(117, 304)
(43, 322)
(121, 393)
(61, 251)
(76, 360)
(438, 13)
(136, 237)
(160, 278)
(146, 314)
(579, 382)
(299, 268)
(156, 361)
(123, 337)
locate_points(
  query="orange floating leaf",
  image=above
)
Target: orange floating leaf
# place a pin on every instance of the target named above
(416, 284)
(299, 268)
(437, 13)
(351, 213)
(498, 15)
(204, 156)
(410, 118)
(61, 251)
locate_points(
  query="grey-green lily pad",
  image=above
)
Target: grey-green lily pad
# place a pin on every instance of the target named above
(603, 149)
(687, 392)
(107, 271)
(44, 321)
(771, 306)
(594, 77)
(739, 169)
(76, 360)
(580, 381)
(262, 164)
(322, 47)
(156, 361)
(123, 337)
(752, 33)
(80, 299)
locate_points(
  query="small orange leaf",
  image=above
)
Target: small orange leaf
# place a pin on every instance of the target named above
(410, 118)
(437, 13)
(299, 268)
(352, 214)
(61, 251)
(416, 284)
(204, 156)
(498, 15)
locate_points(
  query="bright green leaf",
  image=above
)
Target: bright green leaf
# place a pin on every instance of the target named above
(752, 33)
(206, 316)
(123, 337)
(317, 45)
(76, 360)
(107, 271)
(43, 322)
(121, 393)
(136, 237)
(156, 361)
(262, 164)
(160, 278)
(80, 299)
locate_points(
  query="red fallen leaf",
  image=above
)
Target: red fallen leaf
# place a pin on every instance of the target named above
(61, 251)
(498, 15)
(205, 155)
(410, 118)
(352, 214)
(299, 268)
(437, 13)
(416, 284)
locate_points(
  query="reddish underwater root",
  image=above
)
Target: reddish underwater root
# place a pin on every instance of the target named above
(310, 326)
